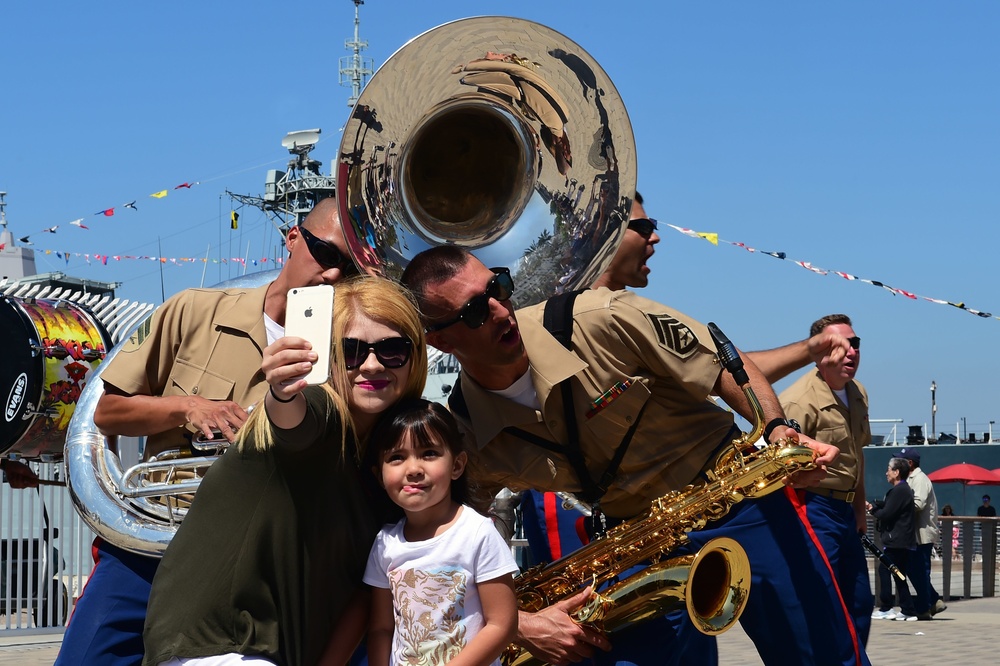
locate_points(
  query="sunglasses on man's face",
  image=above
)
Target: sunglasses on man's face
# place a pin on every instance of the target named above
(643, 226)
(855, 342)
(477, 310)
(390, 352)
(326, 254)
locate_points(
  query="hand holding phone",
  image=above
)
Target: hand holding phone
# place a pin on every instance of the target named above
(309, 315)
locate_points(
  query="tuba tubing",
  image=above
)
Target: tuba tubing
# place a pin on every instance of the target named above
(94, 473)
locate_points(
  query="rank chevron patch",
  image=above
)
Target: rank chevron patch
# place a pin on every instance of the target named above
(673, 335)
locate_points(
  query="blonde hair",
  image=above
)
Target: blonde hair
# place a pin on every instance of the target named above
(380, 300)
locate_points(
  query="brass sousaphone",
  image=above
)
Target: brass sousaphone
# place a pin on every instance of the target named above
(496, 134)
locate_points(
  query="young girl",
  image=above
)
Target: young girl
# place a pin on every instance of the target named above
(442, 576)
(267, 565)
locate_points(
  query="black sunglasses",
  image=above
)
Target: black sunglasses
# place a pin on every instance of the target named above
(390, 352)
(326, 253)
(475, 312)
(643, 226)
(855, 342)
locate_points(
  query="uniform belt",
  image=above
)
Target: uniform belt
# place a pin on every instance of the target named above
(845, 495)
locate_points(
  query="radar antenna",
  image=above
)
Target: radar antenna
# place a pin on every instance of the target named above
(289, 195)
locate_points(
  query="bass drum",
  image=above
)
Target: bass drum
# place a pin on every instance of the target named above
(51, 349)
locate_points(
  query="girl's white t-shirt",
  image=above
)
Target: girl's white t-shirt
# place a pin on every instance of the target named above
(433, 583)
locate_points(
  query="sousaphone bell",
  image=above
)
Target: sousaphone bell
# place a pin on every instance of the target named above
(497, 134)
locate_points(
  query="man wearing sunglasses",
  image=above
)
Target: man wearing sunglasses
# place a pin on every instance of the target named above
(828, 402)
(635, 367)
(192, 371)
(629, 267)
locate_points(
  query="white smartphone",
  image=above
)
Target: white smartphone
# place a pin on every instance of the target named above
(309, 315)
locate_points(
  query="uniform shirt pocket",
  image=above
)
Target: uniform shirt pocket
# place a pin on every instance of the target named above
(189, 379)
(613, 420)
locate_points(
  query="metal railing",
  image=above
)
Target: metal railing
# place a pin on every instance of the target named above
(966, 550)
(45, 554)
(976, 539)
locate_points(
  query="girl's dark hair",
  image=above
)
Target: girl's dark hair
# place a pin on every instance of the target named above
(423, 420)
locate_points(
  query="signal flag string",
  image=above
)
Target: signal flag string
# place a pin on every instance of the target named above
(714, 239)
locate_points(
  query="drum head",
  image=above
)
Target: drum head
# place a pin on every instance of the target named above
(53, 347)
(20, 372)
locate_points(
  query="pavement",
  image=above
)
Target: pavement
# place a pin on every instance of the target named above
(966, 633)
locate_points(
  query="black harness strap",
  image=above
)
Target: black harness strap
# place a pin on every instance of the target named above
(558, 320)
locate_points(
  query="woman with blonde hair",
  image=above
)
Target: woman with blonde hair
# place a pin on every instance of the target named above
(273, 550)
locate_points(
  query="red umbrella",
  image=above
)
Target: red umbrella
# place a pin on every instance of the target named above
(996, 472)
(965, 473)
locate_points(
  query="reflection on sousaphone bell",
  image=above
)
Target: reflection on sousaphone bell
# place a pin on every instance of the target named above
(467, 135)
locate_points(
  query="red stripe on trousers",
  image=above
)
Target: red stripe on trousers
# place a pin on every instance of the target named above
(797, 498)
(552, 525)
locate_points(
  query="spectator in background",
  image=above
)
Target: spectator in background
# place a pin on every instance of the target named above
(946, 510)
(928, 602)
(894, 518)
(986, 510)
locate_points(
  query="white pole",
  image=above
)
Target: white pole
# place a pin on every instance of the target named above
(205, 267)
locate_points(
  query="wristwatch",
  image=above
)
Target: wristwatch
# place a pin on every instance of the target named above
(774, 423)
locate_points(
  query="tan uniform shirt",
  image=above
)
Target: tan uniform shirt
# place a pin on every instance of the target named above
(812, 403)
(205, 342)
(670, 361)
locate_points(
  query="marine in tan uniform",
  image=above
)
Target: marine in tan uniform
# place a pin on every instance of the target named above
(194, 368)
(630, 265)
(646, 355)
(831, 405)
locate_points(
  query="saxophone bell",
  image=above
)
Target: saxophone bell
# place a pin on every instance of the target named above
(712, 586)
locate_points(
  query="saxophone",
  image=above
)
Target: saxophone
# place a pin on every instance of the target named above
(712, 585)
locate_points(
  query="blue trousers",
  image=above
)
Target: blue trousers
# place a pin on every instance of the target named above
(901, 558)
(790, 613)
(919, 573)
(106, 625)
(832, 521)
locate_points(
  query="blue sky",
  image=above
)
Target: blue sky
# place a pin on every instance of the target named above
(861, 137)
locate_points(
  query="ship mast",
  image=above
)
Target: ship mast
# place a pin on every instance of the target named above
(355, 68)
